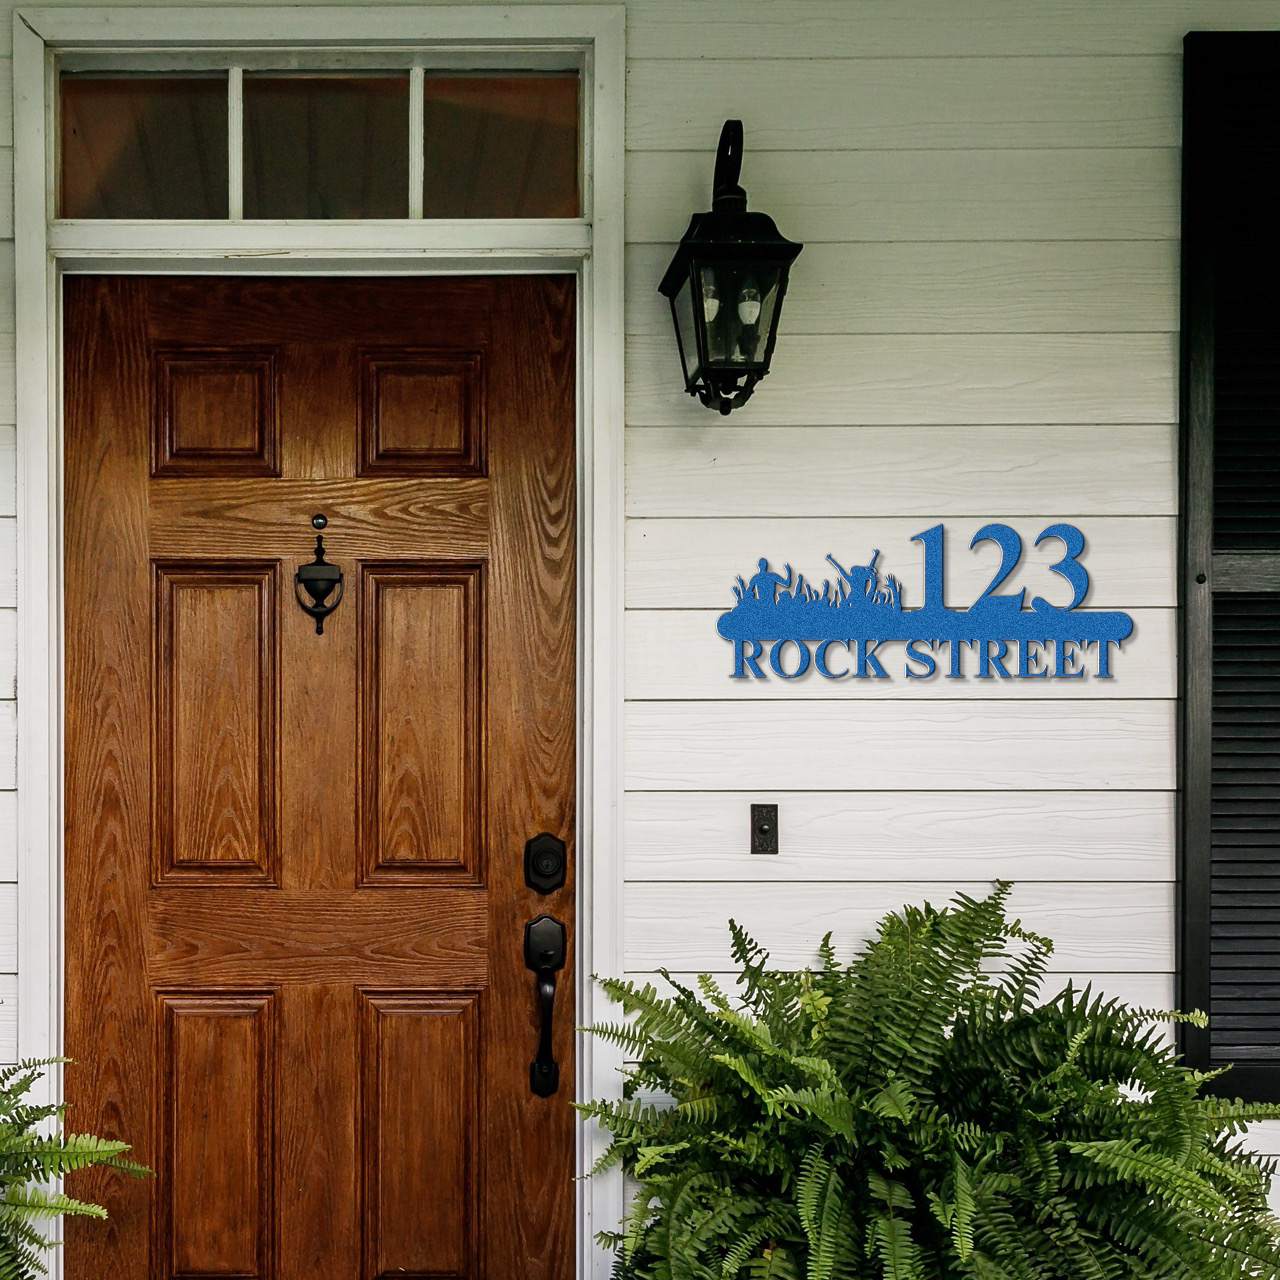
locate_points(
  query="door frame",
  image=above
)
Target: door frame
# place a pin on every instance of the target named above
(590, 247)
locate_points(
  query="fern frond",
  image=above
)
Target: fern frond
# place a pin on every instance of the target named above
(922, 1112)
(32, 1202)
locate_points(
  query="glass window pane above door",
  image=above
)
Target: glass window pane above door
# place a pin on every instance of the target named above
(144, 146)
(319, 146)
(279, 141)
(501, 146)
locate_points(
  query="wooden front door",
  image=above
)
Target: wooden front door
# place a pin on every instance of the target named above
(295, 892)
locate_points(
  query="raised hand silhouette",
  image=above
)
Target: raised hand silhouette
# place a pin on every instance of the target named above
(769, 581)
(862, 576)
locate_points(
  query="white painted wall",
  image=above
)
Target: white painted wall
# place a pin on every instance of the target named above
(981, 327)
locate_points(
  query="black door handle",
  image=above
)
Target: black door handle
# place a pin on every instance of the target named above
(544, 954)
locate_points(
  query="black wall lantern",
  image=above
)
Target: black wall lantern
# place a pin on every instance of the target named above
(726, 285)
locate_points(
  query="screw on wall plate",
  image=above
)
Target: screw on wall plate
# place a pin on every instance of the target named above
(764, 828)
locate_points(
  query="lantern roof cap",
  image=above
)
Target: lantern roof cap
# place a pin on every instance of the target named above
(728, 232)
(728, 237)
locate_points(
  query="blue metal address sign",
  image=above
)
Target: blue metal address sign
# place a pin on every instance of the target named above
(849, 616)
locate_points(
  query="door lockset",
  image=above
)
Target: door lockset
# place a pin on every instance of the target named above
(544, 945)
(545, 863)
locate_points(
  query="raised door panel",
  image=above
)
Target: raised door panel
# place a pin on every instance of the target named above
(215, 411)
(422, 412)
(216, 1087)
(419, 1147)
(216, 728)
(421, 723)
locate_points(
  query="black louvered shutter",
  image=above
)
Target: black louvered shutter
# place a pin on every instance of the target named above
(1229, 959)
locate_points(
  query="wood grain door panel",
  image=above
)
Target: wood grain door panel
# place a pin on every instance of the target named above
(420, 1112)
(422, 777)
(216, 739)
(216, 1133)
(215, 411)
(422, 412)
(295, 899)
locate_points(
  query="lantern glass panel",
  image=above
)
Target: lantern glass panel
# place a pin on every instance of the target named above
(739, 301)
(686, 331)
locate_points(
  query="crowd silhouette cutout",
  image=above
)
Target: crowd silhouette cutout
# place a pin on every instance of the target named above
(860, 608)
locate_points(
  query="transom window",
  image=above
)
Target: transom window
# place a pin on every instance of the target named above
(242, 143)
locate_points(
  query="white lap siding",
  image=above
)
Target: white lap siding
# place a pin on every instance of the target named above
(982, 326)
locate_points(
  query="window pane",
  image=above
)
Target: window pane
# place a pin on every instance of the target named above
(501, 146)
(144, 147)
(326, 146)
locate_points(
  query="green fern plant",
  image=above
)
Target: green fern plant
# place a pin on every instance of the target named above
(30, 1158)
(922, 1114)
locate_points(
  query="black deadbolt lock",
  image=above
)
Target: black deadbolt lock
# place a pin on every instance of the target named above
(544, 863)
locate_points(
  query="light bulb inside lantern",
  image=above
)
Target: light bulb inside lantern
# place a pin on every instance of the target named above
(749, 304)
(710, 300)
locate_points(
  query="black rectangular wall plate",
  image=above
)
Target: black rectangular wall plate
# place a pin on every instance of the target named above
(764, 828)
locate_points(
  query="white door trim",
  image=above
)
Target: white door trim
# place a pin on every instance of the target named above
(591, 247)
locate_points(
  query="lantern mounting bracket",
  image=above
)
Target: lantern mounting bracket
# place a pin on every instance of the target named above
(726, 195)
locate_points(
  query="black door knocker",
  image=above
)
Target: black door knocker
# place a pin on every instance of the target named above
(319, 578)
